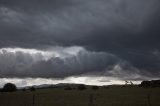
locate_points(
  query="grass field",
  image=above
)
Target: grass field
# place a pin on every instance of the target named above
(110, 96)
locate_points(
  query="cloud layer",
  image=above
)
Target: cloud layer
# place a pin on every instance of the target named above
(24, 24)
(57, 62)
(65, 38)
(62, 62)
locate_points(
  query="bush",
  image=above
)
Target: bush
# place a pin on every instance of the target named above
(95, 87)
(23, 89)
(145, 84)
(32, 89)
(68, 88)
(9, 87)
(82, 87)
(106, 87)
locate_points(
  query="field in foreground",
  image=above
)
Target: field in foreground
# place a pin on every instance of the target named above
(104, 96)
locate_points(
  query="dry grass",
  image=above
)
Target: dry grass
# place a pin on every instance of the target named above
(112, 96)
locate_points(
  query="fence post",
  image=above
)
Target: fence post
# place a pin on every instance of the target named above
(91, 98)
(149, 99)
(33, 100)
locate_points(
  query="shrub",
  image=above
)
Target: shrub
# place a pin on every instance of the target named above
(95, 87)
(145, 84)
(23, 89)
(9, 87)
(32, 89)
(106, 87)
(82, 87)
(68, 88)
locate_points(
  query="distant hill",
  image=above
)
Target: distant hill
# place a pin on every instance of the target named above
(43, 86)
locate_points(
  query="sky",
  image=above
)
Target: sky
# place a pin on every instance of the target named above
(79, 41)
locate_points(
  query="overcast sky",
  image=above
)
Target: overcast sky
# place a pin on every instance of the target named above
(62, 39)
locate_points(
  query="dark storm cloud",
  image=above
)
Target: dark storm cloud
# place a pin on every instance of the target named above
(59, 62)
(128, 29)
(38, 23)
(62, 62)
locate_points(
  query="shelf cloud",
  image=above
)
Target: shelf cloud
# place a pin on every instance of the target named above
(58, 62)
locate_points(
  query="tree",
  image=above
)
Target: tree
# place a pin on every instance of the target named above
(145, 84)
(9, 87)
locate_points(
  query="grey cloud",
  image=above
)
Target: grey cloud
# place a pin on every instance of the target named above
(61, 64)
(83, 63)
(125, 28)
(51, 24)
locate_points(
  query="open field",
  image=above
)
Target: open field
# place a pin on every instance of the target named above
(109, 96)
